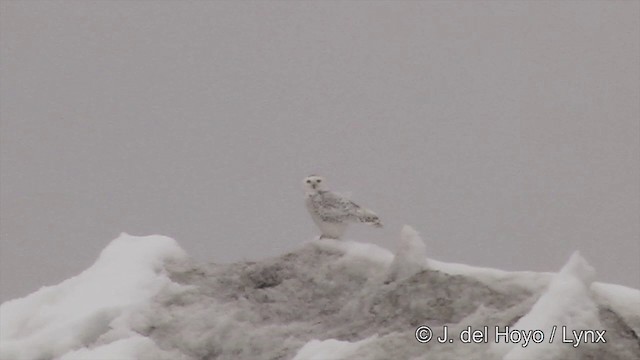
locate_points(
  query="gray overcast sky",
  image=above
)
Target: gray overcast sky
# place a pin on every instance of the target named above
(507, 133)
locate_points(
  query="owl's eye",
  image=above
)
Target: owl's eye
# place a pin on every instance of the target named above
(319, 180)
(308, 181)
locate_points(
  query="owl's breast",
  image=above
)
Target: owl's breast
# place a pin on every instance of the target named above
(313, 207)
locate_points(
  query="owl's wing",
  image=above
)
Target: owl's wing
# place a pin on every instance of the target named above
(338, 206)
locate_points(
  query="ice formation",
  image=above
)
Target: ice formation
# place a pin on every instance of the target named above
(410, 257)
(567, 305)
(327, 299)
(91, 309)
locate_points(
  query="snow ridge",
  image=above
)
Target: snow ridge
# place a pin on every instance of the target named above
(328, 299)
(91, 308)
(567, 302)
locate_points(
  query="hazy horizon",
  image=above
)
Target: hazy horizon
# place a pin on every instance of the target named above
(506, 133)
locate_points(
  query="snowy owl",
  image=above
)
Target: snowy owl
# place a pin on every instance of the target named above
(332, 212)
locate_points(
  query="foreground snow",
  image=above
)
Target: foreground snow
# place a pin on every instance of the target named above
(144, 299)
(567, 302)
(92, 308)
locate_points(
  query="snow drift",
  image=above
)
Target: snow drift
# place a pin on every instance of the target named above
(93, 308)
(144, 299)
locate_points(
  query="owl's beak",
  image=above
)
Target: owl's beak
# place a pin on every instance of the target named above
(314, 186)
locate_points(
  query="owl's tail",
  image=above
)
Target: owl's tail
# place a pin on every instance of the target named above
(369, 217)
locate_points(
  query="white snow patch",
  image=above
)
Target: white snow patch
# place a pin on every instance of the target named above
(501, 280)
(410, 257)
(124, 349)
(58, 319)
(357, 250)
(496, 278)
(623, 300)
(331, 349)
(567, 302)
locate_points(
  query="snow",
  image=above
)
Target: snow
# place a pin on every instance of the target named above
(123, 349)
(328, 299)
(331, 349)
(357, 251)
(56, 320)
(496, 278)
(624, 300)
(566, 303)
(410, 257)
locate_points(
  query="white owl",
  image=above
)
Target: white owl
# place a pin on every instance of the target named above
(332, 212)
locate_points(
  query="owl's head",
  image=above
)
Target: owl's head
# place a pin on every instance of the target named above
(314, 183)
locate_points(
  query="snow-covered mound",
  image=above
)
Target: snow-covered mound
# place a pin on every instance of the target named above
(567, 302)
(87, 316)
(326, 300)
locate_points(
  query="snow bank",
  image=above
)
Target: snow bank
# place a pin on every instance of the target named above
(92, 307)
(123, 349)
(566, 304)
(624, 300)
(357, 251)
(496, 278)
(325, 300)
